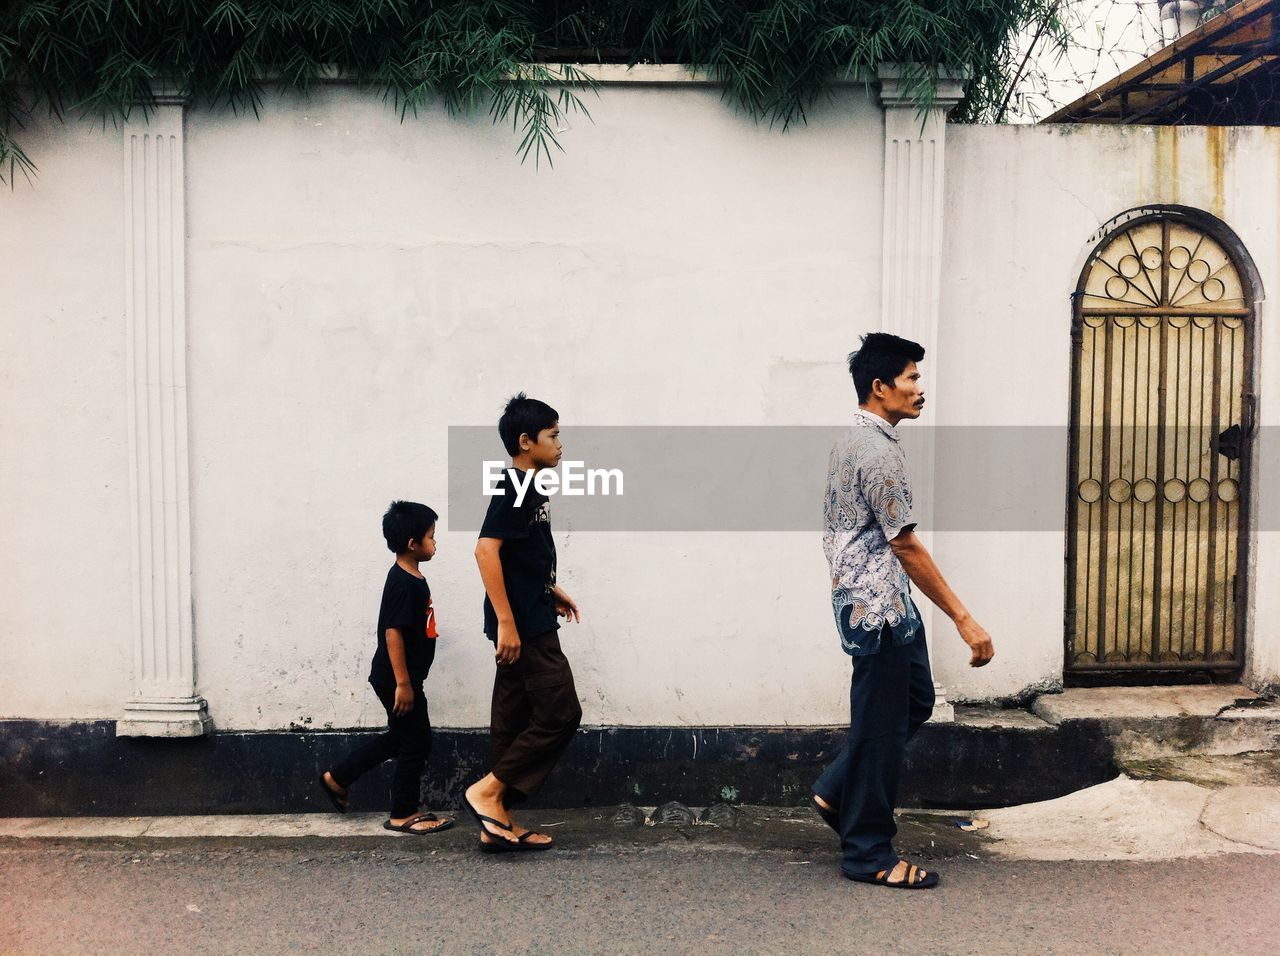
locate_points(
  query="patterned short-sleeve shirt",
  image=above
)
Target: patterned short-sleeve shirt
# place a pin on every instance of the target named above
(868, 504)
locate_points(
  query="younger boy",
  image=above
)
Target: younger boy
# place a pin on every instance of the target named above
(535, 709)
(406, 647)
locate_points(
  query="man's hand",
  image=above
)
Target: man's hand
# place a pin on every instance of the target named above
(978, 640)
(565, 607)
(404, 700)
(508, 649)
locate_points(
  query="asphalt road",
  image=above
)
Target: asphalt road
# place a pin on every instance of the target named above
(679, 894)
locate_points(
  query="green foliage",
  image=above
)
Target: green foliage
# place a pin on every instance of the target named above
(775, 57)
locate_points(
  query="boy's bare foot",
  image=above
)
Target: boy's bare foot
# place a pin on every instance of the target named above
(541, 839)
(422, 823)
(484, 799)
(337, 794)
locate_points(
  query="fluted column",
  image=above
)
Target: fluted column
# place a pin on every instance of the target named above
(164, 702)
(914, 148)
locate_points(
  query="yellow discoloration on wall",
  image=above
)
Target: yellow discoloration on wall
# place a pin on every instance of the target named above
(1215, 155)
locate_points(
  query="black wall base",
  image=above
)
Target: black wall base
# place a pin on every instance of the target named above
(83, 769)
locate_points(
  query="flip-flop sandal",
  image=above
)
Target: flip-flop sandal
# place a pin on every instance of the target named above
(407, 826)
(340, 803)
(829, 817)
(916, 879)
(523, 844)
(503, 844)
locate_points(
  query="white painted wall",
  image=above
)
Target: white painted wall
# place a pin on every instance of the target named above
(1022, 204)
(65, 598)
(356, 285)
(367, 284)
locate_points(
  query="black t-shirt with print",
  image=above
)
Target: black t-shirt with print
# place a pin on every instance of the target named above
(528, 557)
(406, 606)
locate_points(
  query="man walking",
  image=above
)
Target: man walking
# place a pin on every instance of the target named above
(874, 557)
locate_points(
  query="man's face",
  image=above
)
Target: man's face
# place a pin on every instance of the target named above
(906, 398)
(546, 451)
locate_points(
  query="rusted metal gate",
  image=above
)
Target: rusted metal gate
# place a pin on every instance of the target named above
(1162, 420)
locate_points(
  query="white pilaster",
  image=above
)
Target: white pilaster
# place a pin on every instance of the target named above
(164, 702)
(914, 147)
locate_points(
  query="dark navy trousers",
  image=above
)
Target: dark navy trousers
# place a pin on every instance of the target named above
(890, 697)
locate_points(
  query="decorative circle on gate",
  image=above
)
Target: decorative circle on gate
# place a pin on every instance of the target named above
(1090, 490)
(1198, 490)
(1119, 490)
(1144, 489)
(1203, 321)
(1125, 321)
(1161, 266)
(1228, 490)
(1178, 321)
(1174, 490)
(1232, 322)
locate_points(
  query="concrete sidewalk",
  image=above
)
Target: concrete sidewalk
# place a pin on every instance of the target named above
(1195, 807)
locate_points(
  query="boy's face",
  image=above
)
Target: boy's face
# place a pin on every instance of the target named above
(425, 549)
(546, 451)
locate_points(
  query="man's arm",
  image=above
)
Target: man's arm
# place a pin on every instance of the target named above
(404, 690)
(508, 649)
(924, 574)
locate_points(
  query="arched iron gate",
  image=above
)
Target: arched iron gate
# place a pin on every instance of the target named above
(1162, 420)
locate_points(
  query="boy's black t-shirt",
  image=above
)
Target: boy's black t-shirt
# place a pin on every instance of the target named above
(528, 557)
(406, 606)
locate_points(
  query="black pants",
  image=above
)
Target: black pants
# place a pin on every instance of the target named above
(890, 698)
(534, 716)
(408, 740)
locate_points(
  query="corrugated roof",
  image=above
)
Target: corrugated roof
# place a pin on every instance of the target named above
(1225, 72)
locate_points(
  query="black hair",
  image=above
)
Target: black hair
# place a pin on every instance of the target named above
(881, 356)
(406, 521)
(524, 416)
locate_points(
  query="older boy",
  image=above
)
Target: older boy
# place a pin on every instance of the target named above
(406, 648)
(535, 709)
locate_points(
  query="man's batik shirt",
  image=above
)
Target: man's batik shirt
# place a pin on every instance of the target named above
(868, 504)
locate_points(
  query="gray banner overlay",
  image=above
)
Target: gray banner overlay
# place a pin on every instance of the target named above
(773, 478)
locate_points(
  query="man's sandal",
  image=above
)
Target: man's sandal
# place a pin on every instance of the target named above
(916, 878)
(339, 801)
(409, 825)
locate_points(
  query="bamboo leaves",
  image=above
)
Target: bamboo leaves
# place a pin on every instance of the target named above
(773, 57)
